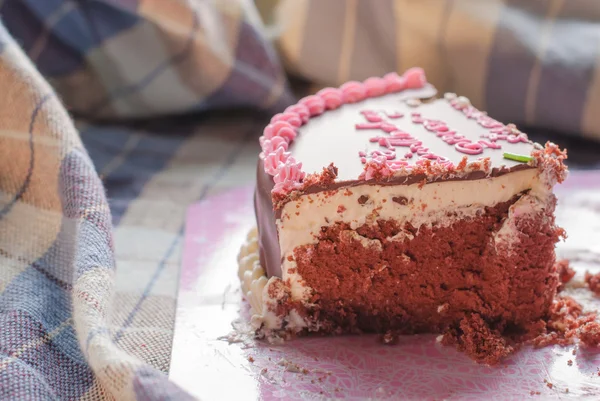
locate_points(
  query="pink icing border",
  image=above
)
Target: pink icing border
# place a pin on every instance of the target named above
(286, 171)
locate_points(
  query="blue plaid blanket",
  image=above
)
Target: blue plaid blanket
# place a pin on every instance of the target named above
(111, 125)
(73, 199)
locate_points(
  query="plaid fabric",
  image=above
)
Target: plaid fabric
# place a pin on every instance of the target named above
(113, 59)
(535, 63)
(72, 326)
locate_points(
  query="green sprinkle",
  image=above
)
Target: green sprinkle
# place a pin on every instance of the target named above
(516, 157)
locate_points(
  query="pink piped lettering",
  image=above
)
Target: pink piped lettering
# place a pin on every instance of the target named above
(454, 139)
(389, 154)
(395, 115)
(488, 122)
(404, 142)
(489, 144)
(385, 142)
(373, 118)
(386, 127)
(469, 148)
(517, 138)
(368, 126)
(400, 134)
(422, 151)
(472, 113)
(397, 164)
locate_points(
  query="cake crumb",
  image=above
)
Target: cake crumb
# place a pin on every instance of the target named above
(291, 367)
(401, 200)
(570, 362)
(565, 273)
(593, 282)
(550, 385)
(250, 359)
(341, 209)
(589, 334)
(563, 326)
(389, 338)
(574, 352)
(363, 199)
(478, 340)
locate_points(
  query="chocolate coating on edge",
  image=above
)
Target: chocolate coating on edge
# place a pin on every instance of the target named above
(268, 239)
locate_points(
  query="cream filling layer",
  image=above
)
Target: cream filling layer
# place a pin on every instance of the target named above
(441, 203)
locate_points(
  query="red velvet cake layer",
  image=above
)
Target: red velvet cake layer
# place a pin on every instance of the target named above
(432, 281)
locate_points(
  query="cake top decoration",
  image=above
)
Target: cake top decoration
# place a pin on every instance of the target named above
(519, 158)
(385, 128)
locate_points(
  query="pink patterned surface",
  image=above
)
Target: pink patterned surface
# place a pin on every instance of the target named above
(215, 362)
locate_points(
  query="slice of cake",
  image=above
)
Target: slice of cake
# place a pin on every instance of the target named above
(381, 208)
